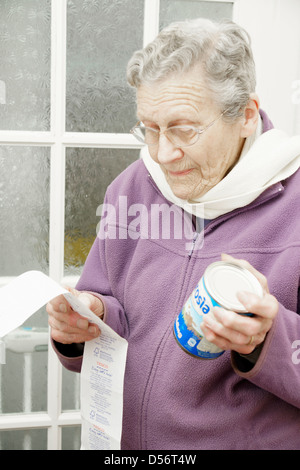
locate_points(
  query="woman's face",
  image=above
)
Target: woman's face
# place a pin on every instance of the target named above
(190, 171)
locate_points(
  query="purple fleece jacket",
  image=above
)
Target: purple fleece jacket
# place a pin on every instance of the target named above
(171, 399)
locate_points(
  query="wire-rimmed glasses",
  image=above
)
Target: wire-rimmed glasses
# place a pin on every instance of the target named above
(180, 136)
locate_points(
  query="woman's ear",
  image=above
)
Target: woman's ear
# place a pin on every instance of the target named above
(250, 116)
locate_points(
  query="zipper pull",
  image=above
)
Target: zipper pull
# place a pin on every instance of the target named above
(193, 244)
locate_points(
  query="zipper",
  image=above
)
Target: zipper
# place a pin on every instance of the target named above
(143, 440)
(147, 391)
(211, 225)
(196, 234)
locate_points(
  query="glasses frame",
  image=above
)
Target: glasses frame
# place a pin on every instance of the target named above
(159, 132)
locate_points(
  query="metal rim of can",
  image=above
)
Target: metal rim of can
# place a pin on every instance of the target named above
(250, 281)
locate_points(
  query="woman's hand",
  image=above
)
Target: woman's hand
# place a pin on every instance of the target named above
(67, 326)
(240, 333)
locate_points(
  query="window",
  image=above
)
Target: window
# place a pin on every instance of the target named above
(65, 115)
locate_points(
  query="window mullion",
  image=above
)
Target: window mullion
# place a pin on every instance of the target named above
(26, 138)
(57, 198)
(100, 140)
(151, 20)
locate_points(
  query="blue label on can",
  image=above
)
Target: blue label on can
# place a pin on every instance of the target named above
(187, 326)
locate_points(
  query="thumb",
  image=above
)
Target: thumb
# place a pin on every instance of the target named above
(92, 302)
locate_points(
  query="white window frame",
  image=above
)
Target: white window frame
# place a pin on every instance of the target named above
(58, 140)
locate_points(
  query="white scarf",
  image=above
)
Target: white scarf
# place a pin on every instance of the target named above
(266, 159)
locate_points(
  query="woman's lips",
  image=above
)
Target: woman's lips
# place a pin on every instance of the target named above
(180, 173)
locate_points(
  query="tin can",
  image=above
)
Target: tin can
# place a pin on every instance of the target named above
(217, 287)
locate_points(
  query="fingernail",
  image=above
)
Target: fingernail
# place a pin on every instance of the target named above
(216, 314)
(209, 319)
(244, 297)
(225, 255)
(93, 330)
(63, 308)
(82, 324)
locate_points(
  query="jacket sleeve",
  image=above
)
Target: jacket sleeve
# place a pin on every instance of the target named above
(277, 369)
(95, 280)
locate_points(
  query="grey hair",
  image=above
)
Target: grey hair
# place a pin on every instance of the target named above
(223, 50)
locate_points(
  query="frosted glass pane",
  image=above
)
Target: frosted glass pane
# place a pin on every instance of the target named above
(24, 439)
(24, 209)
(88, 173)
(70, 390)
(102, 35)
(23, 378)
(71, 438)
(177, 10)
(25, 64)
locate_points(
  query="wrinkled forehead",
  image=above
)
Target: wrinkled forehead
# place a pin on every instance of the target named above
(186, 94)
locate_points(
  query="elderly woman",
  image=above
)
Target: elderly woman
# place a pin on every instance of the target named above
(213, 155)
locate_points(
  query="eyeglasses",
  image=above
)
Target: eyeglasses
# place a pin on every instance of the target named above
(180, 136)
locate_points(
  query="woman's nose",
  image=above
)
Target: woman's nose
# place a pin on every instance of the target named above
(167, 152)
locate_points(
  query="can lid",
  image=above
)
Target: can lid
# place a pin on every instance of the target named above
(223, 280)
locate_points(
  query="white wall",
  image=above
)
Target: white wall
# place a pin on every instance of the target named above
(274, 26)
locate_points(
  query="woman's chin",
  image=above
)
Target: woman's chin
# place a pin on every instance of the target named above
(185, 193)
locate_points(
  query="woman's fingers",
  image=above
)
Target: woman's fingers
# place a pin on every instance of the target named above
(68, 326)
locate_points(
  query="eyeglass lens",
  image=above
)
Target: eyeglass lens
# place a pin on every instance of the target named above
(177, 135)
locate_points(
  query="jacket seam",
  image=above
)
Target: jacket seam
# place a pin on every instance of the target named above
(250, 249)
(277, 190)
